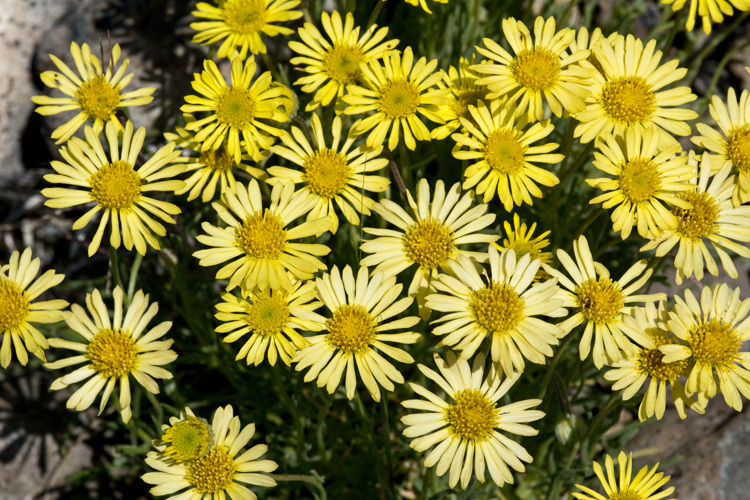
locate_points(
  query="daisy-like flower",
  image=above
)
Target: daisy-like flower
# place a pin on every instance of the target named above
(235, 112)
(431, 239)
(541, 67)
(354, 336)
(471, 426)
(643, 486)
(185, 438)
(339, 62)
(505, 154)
(627, 94)
(331, 175)
(647, 362)
(713, 219)
(18, 313)
(242, 23)
(587, 41)
(111, 181)
(519, 239)
(646, 176)
(258, 241)
(734, 147)
(502, 310)
(113, 351)
(221, 472)
(397, 92)
(97, 94)
(464, 92)
(210, 167)
(271, 318)
(709, 10)
(601, 303)
(713, 332)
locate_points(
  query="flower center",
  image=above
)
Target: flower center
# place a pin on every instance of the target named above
(522, 247)
(187, 439)
(98, 98)
(112, 352)
(628, 99)
(699, 221)
(267, 315)
(342, 62)
(600, 300)
(236, 107)
(211, 473)
(326, 172)
(504, 152)
(398, 98)
(468, 98)
(715, 341)
(639, 179)
(14, 306)
(245, 16)
(536, 69)
(351, 329)
(472, 416)
(218, 159)
(626, 495)
(428, 243)
(497, 308)
(116, 185)
(738, 147)
(262, 236)
(649, 361)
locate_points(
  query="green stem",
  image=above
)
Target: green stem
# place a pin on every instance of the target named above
(578, 162)
(374, 15)
(590, 220)
(385, 491)
(387, 432)
(115, 263)
(555, 360)
(568, 12)
(270, 66)
(321, 426)
(305, 479)
(426, 480)
(132, 278)
(281, 391)
(713, 45)
(611, 404)
(717, 72)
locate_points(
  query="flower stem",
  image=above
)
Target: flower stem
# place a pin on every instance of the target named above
(305, 479)
(387, 433)
(583, 227)
(132, 278)
(115, 264)
(555, 360)
(374, 15)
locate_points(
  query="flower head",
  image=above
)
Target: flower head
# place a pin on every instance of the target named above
(242, 24)
(504, 154)
(423, 4)
(18, 313)
(354, 336)
(331, 66)
(519, 239)
(237, 114)
(218, 473)
(112, 182)
(331, 174)
(464, 92)
(186, 438)
(113, 350)
(470, 428)
(97, 94)
(709, 11)
(259, 241)
(397, 92)
(643, 486)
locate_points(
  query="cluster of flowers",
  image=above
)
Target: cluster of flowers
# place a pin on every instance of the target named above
(515, 312)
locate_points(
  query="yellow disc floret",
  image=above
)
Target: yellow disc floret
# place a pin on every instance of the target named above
(472, 416)
(245, 16)
(326, 172)
(428, 243)
(211, 473)
(699, 221)
(536, 69)
(262, 235)
(600, 300)
(218, 159)
(98, 98)
(738, 147)
(628, 99)
(399, 98)
(342, 62)
(504, 152)
(116, 185)
(498, 308)
(351, 329)
(14, 305)
(187, 439)
(715, 341)
(112, 352)
(236, 108)
(268, 314)
(639, 179)
(649, 361)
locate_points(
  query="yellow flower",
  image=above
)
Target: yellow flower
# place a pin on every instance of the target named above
(271, 318)
(647, 361)
(111, 181)
(241, 23)
(96, 94)
(713, 218)
(503, 309)
(709, 10)
(628, 95)
(601, 302)
(540, 67)
(331, 175)
(18, 289)
(470, 432)
(218, 473)
(734, 147)
(713, 331)
(431, 239)
(185, 438)
(646, 176)
(354, 333)
(210, 167)
(643, 486)
(236, 111)
(339, 62)
(258, 241)
(587, 41)
(520, 241)
(423, 4)
(113, 351)
(505, 154)
(397, 92)
(464, 92)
